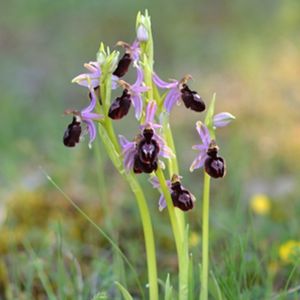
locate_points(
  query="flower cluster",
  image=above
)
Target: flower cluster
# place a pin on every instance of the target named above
(143, 153)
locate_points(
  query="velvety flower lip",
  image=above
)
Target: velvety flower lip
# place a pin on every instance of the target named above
(165, 151)
(132, 54)
(87, 116)
(222, 119)
(130, 148)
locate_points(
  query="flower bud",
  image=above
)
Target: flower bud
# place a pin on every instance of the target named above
(142, 33)
(222, 119)
(101, 55)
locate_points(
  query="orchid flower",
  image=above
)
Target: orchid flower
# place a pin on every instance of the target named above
(181, 197)
(130, 149)
(208, 150)
(180, 90)
(131, 94)
(132, 54)
(73, 133)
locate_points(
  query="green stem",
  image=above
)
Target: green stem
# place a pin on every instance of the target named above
(148, 234)
(179, 241)
(112, 146)
(173, 169)
(144, 213)
(205, 238)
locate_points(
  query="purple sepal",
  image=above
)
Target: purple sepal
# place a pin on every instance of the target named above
(91, 129)
(172, 97)
(163, 84)
(162, 204)
(136, 89)
(89, 79)
(135, 50)
(203, 133)
(128, 151)
(202, 148)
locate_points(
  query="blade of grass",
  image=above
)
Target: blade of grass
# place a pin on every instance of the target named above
(101, 231)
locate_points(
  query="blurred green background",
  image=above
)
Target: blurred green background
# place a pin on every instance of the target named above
(248, 52)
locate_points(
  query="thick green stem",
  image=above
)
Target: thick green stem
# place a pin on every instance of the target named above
(179, 241)
(148, 234)
(144, 213)
(110, 141)
(205, 238)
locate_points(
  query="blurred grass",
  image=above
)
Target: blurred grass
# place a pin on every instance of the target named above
(246, 51)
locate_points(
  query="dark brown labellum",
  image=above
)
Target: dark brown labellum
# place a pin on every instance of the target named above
(148, 147)
(72, 133)
(120, 106)
(215, 166)
(146, 159)
(123, 65)
(191, 99)
(141, 167)
(181, 197)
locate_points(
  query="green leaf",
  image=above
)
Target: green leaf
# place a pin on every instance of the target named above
(123, 291)
(215, 287)
(168, 289)
(191, 279)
